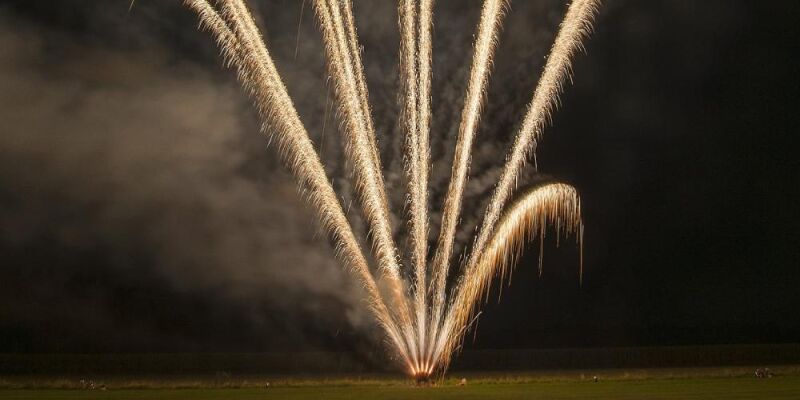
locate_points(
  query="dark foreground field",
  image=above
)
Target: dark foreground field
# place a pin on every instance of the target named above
(697, 388)
(641, 384)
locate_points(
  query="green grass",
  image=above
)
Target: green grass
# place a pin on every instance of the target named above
(787, 387)
(691, 383)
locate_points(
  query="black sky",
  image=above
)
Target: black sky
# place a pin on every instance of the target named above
(132, 176)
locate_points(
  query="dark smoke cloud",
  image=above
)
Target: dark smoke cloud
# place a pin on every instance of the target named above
(146, 167)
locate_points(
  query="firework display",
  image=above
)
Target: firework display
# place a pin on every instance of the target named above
(424, 318)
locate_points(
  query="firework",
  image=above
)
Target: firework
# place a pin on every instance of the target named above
(344, 62)
(575, 26)
(423, 323)
(553, 204)
(491, 18)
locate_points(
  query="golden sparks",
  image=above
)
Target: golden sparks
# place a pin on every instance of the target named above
(423, 323)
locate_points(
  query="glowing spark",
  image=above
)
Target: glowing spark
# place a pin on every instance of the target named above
(576, 25)
(259, 76)
(489, 25)
(553, 204)
(299, 24)
(415, 59)
(345, 65)
(424, 343)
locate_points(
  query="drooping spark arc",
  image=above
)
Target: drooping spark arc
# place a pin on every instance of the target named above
(240, 43)
(488, 27)
(549, 205)
(576, 25)
(345, 65)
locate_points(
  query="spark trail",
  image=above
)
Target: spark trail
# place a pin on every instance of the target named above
(553, 204)
(576, 25)
(260, 79)
(415, 23)
(489, 25)
(361, 149)
(423, 325)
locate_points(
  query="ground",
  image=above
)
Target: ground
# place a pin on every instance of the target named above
(710, 384)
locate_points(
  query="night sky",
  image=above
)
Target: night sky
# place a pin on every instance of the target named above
(141, 209)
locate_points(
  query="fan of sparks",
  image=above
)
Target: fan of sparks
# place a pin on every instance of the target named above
(425, 317)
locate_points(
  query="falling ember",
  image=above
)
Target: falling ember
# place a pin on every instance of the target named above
(423, 323)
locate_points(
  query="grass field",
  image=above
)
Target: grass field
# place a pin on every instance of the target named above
(638, 384)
